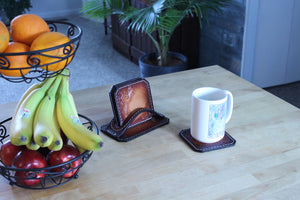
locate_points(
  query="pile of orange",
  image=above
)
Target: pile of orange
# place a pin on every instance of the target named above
(4, 37)
(29, 32)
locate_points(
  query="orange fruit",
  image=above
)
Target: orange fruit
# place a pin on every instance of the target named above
(26, 27)
(16, 61)
(4, 37)
(49, 40)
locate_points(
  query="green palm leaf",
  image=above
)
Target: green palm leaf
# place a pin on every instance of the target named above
(145, 19)
(171, 19)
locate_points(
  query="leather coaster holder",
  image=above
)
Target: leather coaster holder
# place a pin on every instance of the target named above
(226, 141)
(133, 109)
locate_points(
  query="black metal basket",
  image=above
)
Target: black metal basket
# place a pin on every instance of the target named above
(51, 179)
(36, 69)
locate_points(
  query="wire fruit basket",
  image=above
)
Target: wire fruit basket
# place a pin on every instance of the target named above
(36, 69)
(51, 178)
(40, 72)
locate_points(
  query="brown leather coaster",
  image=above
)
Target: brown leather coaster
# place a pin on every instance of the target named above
(128, 97)
(227, 141)
(127, 132)
(133, 109)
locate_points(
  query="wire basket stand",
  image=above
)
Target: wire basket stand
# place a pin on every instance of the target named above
(51, 179)
(40, 71)
(36, 69)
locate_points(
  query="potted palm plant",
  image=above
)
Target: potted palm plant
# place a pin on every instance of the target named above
(162, 17)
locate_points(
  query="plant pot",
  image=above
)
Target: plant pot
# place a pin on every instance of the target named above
(147, 69)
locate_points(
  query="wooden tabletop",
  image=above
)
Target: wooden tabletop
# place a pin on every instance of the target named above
(263, 164)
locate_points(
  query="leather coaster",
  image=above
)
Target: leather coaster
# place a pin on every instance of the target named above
(128, 97)
(226, 141)
(133, 109)
(127, 132)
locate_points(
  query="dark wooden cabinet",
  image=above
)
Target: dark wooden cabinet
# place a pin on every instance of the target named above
(132, 45)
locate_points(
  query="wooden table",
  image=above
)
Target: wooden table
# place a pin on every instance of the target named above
(263, 164)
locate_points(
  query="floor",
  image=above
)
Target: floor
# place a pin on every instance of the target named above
(288, 92)
(96, 63)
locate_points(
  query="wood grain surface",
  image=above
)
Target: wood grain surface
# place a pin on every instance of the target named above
(263, 164)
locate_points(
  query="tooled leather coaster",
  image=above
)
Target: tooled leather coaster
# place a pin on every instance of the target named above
(128, 97)
(133, 109)
(126, 133)
(226, 141)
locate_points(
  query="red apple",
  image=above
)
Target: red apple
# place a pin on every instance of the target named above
(29, 159)
(8, 152)
(67, 153)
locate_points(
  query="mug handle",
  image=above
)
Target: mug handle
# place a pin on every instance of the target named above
(229, 106)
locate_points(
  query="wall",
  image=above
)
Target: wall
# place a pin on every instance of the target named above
(53, 8)
(221, 42)
(271, 42)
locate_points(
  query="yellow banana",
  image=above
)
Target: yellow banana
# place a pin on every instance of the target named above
(69, 121)
(21, 127)
(43, 124)
(57, 141)
(26, 93)
(80, 149)
(32, 145)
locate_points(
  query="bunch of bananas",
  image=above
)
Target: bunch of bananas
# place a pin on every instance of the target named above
(43, 110)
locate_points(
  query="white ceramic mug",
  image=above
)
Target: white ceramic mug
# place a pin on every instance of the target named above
(211, 110)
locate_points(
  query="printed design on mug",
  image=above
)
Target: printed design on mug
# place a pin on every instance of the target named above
(216, 121)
